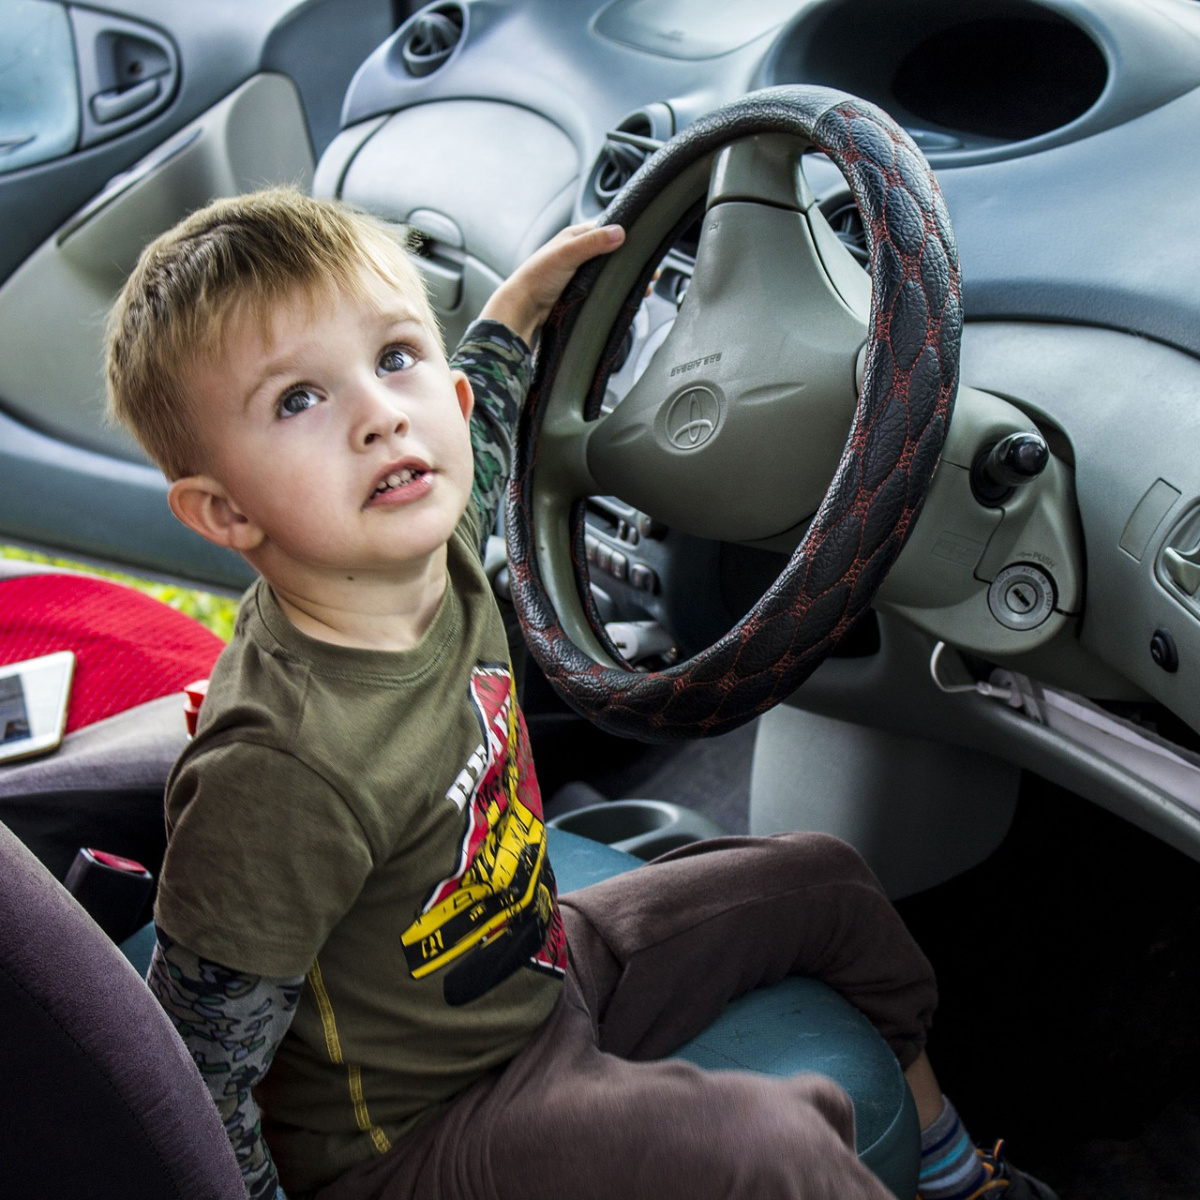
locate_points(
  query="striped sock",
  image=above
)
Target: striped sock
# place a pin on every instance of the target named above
(950, 1168)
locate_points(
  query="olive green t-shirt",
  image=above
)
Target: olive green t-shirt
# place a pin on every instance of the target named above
(371, 821)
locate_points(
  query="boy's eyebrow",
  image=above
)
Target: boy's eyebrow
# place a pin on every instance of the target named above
(400, 316)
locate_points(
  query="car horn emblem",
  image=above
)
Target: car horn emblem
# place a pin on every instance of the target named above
(692, 418)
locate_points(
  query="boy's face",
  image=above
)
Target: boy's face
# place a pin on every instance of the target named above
(337, 439)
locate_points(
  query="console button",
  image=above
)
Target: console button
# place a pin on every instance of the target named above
(643, 578)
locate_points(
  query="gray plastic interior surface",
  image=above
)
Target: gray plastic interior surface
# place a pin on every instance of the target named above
(506, 187)
(125, 517)
(255, 136)
(1150, 54)
(1126, 433)
(918, 811)
(679, 29)
(892, 691)
(959, 546)
(216, 56)
(1127, 407)
(57, 445)
(646, 828)
(1035, 258)
(337, 34)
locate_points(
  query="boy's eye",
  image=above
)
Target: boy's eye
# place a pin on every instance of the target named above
(297, 401)
(395, 358)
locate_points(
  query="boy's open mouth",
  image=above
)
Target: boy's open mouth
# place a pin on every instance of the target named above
(397, 479)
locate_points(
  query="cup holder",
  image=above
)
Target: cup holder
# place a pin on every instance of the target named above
(645, 828)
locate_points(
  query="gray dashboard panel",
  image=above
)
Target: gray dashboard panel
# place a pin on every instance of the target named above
(1100, 231)
(507, 186)
(1131, 410)
(1092, 223)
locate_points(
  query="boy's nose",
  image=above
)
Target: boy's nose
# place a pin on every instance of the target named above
(381, 416)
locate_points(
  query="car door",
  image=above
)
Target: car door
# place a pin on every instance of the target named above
(114, 123)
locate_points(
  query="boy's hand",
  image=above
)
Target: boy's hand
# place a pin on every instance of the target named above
(524, 300)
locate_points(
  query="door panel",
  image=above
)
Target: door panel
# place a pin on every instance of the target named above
(54, 383)
(128, 71)
(176, 103)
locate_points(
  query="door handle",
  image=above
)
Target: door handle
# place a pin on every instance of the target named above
(122, 102)
(128, 71)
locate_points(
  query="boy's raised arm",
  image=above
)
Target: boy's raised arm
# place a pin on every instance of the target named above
(498, 364)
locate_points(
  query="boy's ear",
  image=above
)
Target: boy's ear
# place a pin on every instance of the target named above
(203, 505)
(465, 393)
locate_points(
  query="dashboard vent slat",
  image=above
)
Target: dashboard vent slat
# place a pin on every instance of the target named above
(625, 149)
(431, 39)
(615, 167)
(846, 221)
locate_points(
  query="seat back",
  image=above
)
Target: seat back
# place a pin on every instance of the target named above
(102, 1098)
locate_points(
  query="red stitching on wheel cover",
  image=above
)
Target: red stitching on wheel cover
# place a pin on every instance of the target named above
(897, 434)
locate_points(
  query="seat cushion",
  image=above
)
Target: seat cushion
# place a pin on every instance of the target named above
(101, 1096)
(792, 1026)
(800, 1025)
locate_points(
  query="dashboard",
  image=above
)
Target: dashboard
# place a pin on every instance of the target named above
(1067, 613)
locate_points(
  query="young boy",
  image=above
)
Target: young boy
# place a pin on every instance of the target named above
(359, 934)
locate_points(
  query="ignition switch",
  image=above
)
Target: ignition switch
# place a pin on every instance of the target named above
(1021, 597)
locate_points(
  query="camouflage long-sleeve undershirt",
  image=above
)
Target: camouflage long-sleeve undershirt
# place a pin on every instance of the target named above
(497, 362)
(232, 1022)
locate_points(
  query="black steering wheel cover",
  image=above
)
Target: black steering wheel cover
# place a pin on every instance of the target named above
(899, 427)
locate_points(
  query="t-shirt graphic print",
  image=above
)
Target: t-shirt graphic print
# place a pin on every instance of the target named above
(498, 911)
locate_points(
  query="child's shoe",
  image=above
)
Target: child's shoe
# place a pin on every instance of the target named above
(1004, 1180)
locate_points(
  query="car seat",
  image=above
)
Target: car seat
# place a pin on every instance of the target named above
(104, 786)
(97, 1053)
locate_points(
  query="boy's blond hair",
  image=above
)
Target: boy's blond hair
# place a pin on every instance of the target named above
(234, 259)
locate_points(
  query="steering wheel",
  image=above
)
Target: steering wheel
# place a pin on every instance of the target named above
(750, 405)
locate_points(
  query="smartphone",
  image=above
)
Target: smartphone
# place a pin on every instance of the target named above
(33, 704)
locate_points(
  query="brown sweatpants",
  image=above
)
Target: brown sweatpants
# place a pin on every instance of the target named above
(589, 1108)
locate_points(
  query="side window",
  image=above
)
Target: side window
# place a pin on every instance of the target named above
(71, 77)
(39, 87)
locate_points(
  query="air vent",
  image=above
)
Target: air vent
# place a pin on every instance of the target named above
(616, 166)
(846, 221)
(625, 149)
(431, 37)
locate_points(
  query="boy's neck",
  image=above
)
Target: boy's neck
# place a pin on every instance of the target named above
(363, 610)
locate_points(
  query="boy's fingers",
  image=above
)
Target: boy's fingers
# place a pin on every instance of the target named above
(589, 240)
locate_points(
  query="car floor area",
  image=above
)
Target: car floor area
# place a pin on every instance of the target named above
(1068, 967)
